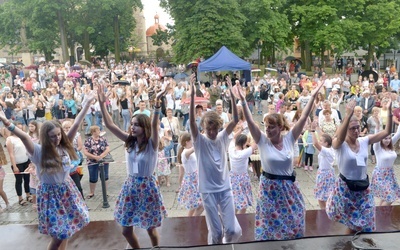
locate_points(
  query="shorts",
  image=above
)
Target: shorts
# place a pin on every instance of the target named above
(94, 172)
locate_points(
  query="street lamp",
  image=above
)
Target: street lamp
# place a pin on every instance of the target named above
(259, 44)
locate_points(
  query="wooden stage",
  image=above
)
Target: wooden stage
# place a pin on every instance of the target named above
(191, 232)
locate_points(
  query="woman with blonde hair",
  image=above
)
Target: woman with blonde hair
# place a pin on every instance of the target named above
(61, 209)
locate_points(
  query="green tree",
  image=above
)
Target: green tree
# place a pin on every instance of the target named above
(202, 28)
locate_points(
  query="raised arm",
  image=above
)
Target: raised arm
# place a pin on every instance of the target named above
(101, 97)
(388, 129)
(156, 116)
(194, 131)
(314, 127)
(253, 128)
(79, 118)
(235, 120)
(298, 127)
(342, 130)
(26, 140)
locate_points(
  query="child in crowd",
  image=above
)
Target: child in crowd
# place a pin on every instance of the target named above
(163, 170)
(33, 183)
(309, 149)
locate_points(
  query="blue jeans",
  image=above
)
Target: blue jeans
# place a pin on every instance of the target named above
(167, 151)
(126, 116)
(88, 119)
(94, 172)
(99, 120)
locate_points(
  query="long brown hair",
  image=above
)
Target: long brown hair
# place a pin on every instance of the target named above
(51, 160)
(277, 119)
(185, 137)
(144, 122)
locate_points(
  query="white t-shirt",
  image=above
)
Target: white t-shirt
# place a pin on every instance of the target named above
(239, 159)
(212, 162)
(274, 161)
(143, 163)
(326, 158)
(20, 153)
(386, 158)
(353, 165)
(189, 164)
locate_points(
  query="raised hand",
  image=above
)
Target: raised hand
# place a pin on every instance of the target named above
(100, 93)
(316, 90)
(350, 106)
(163, 92)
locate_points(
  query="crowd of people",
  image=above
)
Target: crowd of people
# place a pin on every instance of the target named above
(163, 125)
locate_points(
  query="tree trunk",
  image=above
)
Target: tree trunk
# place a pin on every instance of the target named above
(116, 39)
(322, 56)
(308, 56)
(63, 37)
(369, 56)
(86, 44)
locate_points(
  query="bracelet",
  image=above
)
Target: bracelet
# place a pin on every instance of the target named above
(244, 103)
(11, 127)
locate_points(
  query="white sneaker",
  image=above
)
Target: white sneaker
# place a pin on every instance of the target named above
(102, 133)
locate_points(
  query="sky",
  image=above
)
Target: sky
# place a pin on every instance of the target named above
(150, 8)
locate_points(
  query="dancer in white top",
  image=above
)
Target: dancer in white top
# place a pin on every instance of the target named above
(351, 201)
(214, 182)
(189, 195)
(239, 160)
(383, 182)
(280, 211)
(325, 179)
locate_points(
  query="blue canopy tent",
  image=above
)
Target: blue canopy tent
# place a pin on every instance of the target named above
(224, 59)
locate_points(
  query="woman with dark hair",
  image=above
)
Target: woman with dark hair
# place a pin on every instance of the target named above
(141, 142)
(384, 185)
(62, 211)
(351, 201)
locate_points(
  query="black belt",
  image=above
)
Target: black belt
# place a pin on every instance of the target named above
(280, 177)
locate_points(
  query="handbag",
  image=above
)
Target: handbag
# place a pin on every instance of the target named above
(107, 158)
(356, 185)
(175, 138)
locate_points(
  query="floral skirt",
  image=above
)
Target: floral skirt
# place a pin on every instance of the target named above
(324, 184)
(61, 208)
(384, 184)
(140, 203)
(163, 168)
(241, 189)
(280, 211)
(355, 209)
(189, 195)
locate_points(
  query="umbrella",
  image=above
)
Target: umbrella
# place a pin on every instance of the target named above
(74, 75)
(180, 76)
(163, 64)
(368, 72)
(76, 68)
(122, 82)
(290, 58)
(192, 64)
(197, 100)
(33, 66)
(18, 63)
(85, 62)
(271, 69)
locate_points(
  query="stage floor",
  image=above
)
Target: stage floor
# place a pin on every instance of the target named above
(321, 233)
